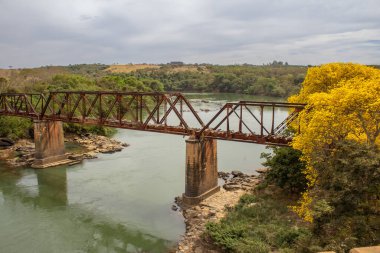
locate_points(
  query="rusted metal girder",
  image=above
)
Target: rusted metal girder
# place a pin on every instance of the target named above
(154, 112)
(243, 111)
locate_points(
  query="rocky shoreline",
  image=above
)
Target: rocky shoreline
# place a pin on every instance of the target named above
(94, 144)
(21, 154)
(212, 209)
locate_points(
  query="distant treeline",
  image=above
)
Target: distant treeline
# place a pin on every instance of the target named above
(275, 79)
(74, 77)
(278, 80)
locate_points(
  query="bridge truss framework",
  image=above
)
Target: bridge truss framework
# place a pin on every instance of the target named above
(168, 113)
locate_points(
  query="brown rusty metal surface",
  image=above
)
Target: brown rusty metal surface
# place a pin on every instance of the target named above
(154, 112)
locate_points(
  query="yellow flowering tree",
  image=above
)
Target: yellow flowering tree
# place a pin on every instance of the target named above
(343, 103)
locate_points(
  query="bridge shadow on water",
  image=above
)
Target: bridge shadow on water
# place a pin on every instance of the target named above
(45, 192)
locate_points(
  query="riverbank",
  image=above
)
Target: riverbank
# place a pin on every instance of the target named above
(212, 209)
(21, 154)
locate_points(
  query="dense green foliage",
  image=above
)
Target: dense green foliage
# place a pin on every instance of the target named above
(346, 209)
(15, 127)
(259, 223)
(124, 82)
(83, 129)
(91, 70)
(71, 82)
(275, 79)
(285, 169)
(73, 77)
(268, 80)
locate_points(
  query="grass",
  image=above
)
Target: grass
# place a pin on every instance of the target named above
(259, 223)
(128, 68)
(186, 68)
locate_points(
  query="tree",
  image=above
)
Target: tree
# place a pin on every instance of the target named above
(4, 84)
(343, 104)
(153, 84)
(330, 76)
(347, 197)
(71, 82)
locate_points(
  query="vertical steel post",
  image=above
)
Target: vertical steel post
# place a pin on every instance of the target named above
(84, 110)
(272, 131)
(119, 110)
(241, 119)
(262, 119)
(158, 109)
(137, 108)
(228, 120)
(165, 110)
(100, 108)
(181, 110)
(141, 109)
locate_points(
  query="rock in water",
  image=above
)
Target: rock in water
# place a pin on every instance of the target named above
(262, 170)
(237, 173)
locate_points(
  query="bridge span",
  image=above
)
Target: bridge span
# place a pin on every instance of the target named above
(169, 113)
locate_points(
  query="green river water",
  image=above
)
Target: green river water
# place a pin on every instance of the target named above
(119, 202)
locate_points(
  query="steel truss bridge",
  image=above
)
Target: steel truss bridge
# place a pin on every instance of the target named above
(169, 113)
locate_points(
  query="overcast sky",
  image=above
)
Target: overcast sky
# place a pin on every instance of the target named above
(62, 32)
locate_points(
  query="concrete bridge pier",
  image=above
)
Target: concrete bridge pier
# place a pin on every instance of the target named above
(49, 142)
(201, 170)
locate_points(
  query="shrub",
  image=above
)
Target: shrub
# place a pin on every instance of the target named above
(259, 223)
(285, 169)
(83, 129)
(15, 127)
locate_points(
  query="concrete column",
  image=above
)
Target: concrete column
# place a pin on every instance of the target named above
(201, 170)
(49, 142)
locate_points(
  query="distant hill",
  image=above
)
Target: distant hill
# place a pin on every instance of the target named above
(277, 79)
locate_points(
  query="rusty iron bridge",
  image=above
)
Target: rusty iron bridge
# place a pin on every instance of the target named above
(169, 113)
(153, 112)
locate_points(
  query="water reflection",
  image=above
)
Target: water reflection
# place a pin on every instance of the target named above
(52, 188)
(39, 199)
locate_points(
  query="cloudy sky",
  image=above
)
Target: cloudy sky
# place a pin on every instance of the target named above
(62, 32)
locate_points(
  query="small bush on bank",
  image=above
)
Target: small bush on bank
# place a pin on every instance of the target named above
(285, 169)
(84, 129)
(15, 127)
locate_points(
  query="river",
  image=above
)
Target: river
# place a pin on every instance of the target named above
(119, 202)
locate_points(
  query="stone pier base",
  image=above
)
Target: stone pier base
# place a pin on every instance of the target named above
(201, 170)
(49, 142)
